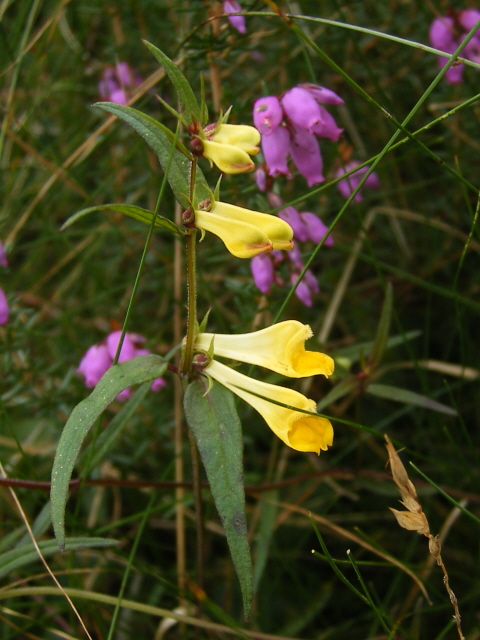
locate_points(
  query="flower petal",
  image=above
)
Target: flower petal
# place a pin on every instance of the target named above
(239, 135)
(280, 348)
(242, 239)
(228, 158)
(279, 233)
(298, 430)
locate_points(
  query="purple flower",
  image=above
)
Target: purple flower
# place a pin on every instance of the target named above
(322, 94)
(350, 183)
(447, 32)
(117, 81)
(315, 229)
(94, 364)
(289, 126)
(4, 308)
(99, 358)
(261, 178)
(276, 147)
(262, 272)
(328, 127)
(267, 114)
(306, 287)
(291, 215)
(237, 22)
(302, 109)
(305, 154)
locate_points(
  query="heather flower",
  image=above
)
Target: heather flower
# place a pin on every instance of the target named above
(117, 82)
(306, 287)
(302, 109)
(99, 358)
(305, 154)
(447, 32)
(261, 178)
(290, 127)
(351, 182)
(229, 146)
(245, 233)
(316, 230)
(237, 22)
(291, 215)
(267, 114)
(4, 308)
(263, 272)
(94, 364)
(322, 94)
(275, 148)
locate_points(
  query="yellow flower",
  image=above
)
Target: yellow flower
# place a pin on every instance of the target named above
(300, 431)
(280, 348)
(245, 233)
(230, 146)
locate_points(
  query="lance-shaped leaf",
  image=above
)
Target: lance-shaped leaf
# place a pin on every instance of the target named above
(213, 420)
(153, 134)
(405, 396)
(26, 554)
(137, 213)
(117, 378)
(186, 97)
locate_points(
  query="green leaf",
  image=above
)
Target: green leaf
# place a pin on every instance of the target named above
(354, 352)
(213, 420)
(117, 378)
(383, 330)
(408, 397)
(26, 554)
(107, 437)
(144, 215)
(186, 97)
(151, 131)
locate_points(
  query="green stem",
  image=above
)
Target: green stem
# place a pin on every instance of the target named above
(190, 244)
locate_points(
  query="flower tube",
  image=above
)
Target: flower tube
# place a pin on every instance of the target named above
(300, 431)
(230, 146)
(280, 348)
(245, 233)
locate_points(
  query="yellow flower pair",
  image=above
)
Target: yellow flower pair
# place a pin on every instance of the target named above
(230, 146)
(280, 348)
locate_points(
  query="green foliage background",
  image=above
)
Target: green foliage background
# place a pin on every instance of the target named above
(67, 290)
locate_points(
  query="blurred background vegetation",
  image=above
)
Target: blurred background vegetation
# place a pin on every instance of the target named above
(68, 289)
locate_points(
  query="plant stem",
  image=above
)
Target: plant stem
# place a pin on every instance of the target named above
(190, 244)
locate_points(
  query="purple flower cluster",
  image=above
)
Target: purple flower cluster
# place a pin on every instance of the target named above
(99, 358)
(4, 308)
(290, 126)
(306, 226)
(351, 182)
(117, 81)
(237, 22)
(447, 32)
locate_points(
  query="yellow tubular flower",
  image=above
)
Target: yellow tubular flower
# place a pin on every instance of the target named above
(230, 146)
(238, 135)
(245, 233)
(298, 430)
(280, 348)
